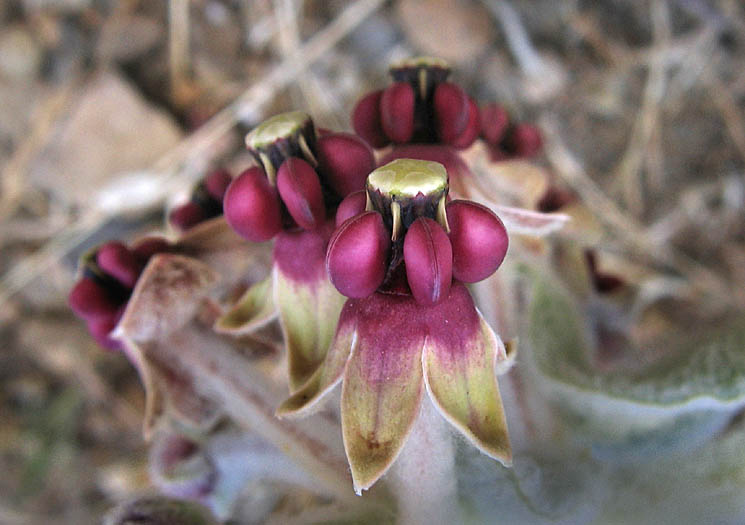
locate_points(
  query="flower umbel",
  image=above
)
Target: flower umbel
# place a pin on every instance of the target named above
(410, 323)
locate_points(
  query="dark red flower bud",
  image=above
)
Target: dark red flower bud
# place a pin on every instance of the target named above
(353, 204)
(345, 160)
(366, 120)
(523, 140)
(451, 111)
(90, 300)
(119, 262)
(300, 190)
(357, 253)
(187, 215)
(101, 327)
(429, 261)
(479, 240)
(494, 122)
(216, 184)
(252, 206)
(472, 128)
(149, 246)
(397, 111)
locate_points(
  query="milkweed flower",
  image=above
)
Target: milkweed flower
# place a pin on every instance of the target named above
(401, 255)
(291, 196)
(205, 201)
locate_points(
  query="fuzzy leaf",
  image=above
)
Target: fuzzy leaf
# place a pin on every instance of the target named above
(171, 391)
(459, 361)
(166, 297)
(671, 398)
(307, 302)
(383, 384)
(252, 311)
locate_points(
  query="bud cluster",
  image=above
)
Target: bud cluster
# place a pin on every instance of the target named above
(401, 235)
(110, 273)
(299, 179)
(422, 107)
(204, 203)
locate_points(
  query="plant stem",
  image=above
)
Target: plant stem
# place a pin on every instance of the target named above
(423, 477)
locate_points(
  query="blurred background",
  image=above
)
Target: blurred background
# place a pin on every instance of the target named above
(110, 110)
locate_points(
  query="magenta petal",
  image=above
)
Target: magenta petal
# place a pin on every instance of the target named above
(353, 204)
(473, 127)
(397, 111)
(300, 190)
(357, 253)
(345, 160)
(451, 106)
(307, 302)
(115, 259)
(479, 240)
(366, 120)
(216, 184)
(459, 361)
(89, 300)
(383, 386)
(429, 258)
(100, 329)
(252, 206)
(494, 122)
(187, 215)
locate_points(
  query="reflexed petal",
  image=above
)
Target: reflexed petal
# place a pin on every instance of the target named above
(459, 361)
(383, 384)
(307, 302)
(328, 375)
(253, 310)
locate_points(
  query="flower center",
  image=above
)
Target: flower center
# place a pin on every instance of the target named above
(404, 190)
(282, 136)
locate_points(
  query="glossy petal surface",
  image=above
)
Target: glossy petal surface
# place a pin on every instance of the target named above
(118, 261)
(471, 132)
(357, 254)
(429, 261)
(366, 120)
(479, 240)
(251, 206)
(397, 112)
(300, 189)
(451, 111)
(345, 160)
(353, 204)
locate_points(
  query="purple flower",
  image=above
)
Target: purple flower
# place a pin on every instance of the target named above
(292, 196)
(410, 324)
(204, 203)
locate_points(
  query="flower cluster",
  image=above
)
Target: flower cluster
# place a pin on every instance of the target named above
(299, 180)
(109, 275)
(411, 229)
(205, 201)
(401, 255)
(422, 107)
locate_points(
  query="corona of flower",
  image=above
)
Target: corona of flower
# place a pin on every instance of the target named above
(401, 254)
(205, 201)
